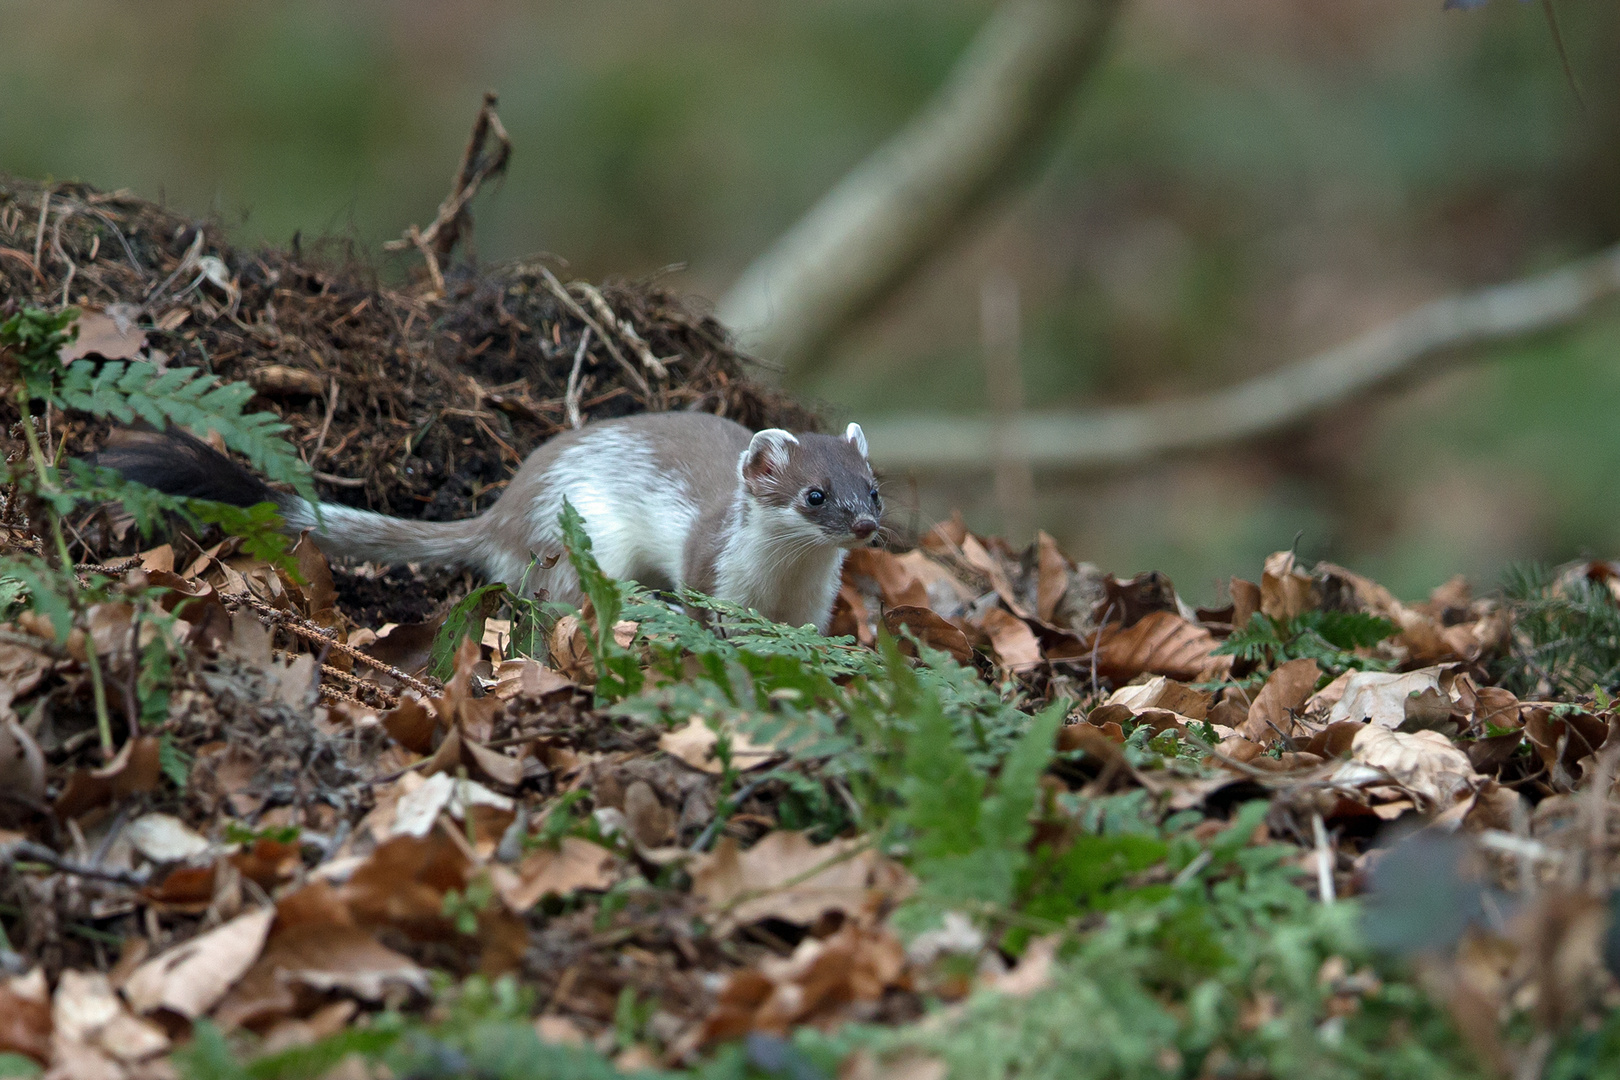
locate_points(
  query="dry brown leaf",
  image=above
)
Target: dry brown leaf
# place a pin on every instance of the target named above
(992, 567)
(1163, 693)
(1012, 639)
(21, 669)
(25, 1026)
(1162, 643)
(164, 838)
(1052, 570)
(897, 584)
(695, 744)
(575, 864)
(192, 977)
(786, 877)
(1272, 715)
(1284, 590)
(112, 334)
(649, 822)
(87, 1011)
(134, 770)
(1422, 762)
(1379, 697)
(813, 986)
(931, 629)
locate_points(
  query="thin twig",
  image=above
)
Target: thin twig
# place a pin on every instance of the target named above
(571, 399)
(311, 632)
(26, 851)
(584, 316)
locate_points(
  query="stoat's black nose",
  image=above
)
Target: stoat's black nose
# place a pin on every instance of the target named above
(863, 528)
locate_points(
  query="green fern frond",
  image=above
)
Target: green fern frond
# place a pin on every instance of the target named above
(191, 398)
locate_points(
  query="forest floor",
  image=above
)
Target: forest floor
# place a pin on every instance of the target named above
(262, 816)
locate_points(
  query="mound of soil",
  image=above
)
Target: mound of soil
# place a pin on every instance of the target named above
(409, 401)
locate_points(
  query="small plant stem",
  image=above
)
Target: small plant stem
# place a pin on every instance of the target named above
(98, 686)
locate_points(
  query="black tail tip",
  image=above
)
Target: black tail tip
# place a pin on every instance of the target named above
(179, 464)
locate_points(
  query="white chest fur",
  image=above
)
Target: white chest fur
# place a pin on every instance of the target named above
(779, 564)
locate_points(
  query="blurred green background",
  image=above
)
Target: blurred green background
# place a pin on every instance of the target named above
(1245, 181)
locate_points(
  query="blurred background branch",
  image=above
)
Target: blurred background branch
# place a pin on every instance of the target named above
(1413, 345)
(917, 191)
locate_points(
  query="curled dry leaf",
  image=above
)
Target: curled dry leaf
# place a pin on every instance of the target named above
(1012, 639)
(280, 380)
(111, 334)
(135, 769)
(931, 629)
(1161, 643)
(574, 864)
(1272, 715)
(786, 877)
(1284, 590)
(695, 744)
(192, 977)
(1379, 697)
(1423, 762)
(816, 985)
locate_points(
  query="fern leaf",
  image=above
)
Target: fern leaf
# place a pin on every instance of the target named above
(193, 399)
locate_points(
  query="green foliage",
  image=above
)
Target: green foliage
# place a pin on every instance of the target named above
(618, 671)
(1566, 635)
(194, 399)
(1328, 637)
(31, 371)
(968, 846)
(465, 620)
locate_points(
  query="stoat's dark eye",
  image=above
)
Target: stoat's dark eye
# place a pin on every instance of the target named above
(815, 496)
(874, 495)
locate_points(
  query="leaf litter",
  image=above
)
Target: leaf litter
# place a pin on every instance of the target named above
(764, 838)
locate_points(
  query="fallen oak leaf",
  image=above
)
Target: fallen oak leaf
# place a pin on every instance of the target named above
(136, 768)
(1422, 762)
(1161, 643)
(930, 628)
(786, 877)
(1271, 716)
(192, 977)
(696, 742)
(573, 865)
(1012, 639)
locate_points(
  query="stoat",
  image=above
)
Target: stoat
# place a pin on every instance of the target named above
(762, 520)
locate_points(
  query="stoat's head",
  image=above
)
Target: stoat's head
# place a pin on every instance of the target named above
(820, 487)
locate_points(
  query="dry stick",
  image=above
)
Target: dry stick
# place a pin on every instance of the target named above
(31, 852)
(583, 316)
(436, 241)
(571, 400)
(1126, 435)
(39, 234)
(625, 331)
(326, 424)
(344, 676)
(311, 632)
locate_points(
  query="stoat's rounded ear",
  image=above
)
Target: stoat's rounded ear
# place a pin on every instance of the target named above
(856, 438)
(766, 457)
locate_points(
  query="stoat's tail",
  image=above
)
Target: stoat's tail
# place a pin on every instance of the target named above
(175, 463)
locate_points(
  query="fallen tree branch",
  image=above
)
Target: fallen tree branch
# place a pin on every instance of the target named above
(914, 194)
(1413, 345)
